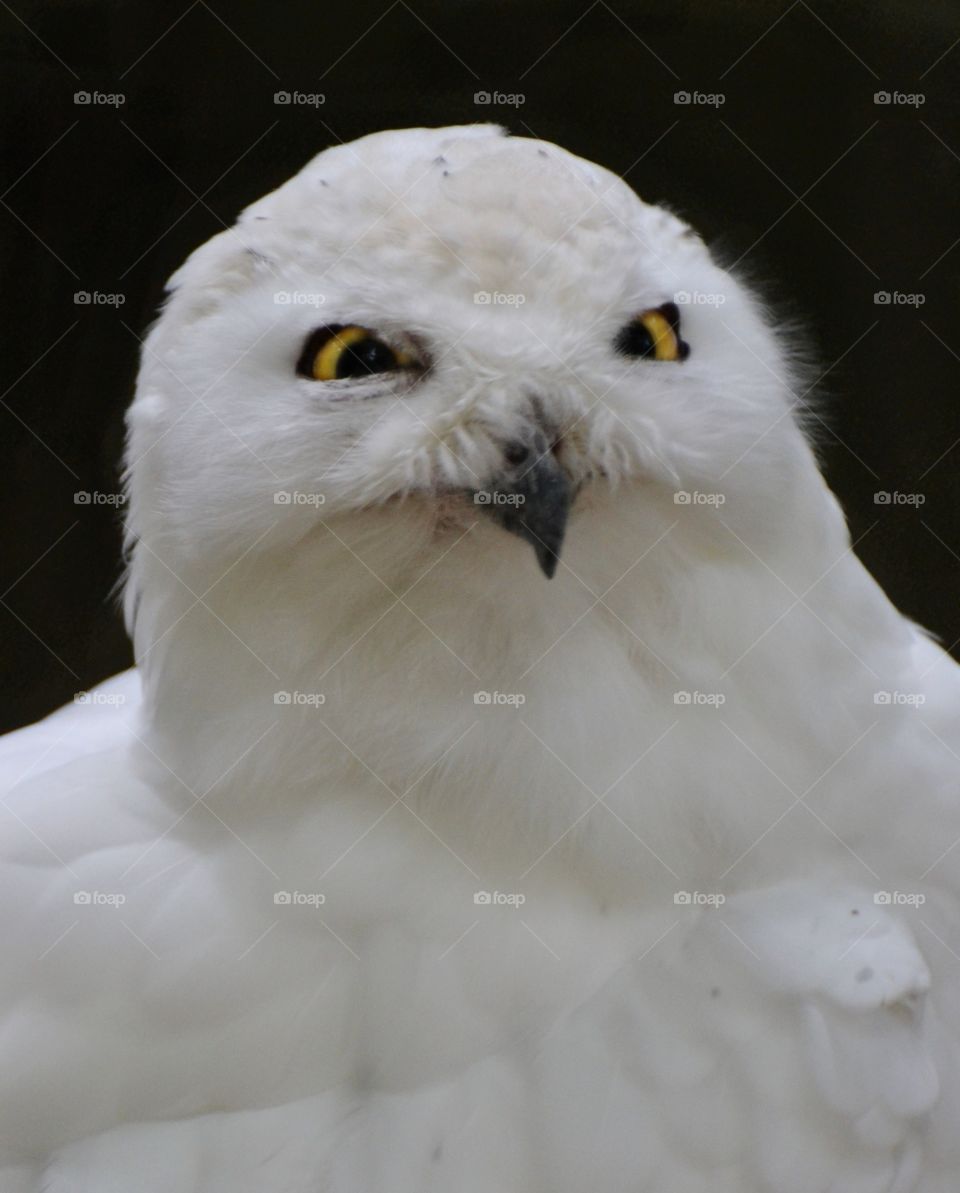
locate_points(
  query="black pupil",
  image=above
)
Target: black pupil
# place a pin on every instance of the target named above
(635, 340)
(366, 356)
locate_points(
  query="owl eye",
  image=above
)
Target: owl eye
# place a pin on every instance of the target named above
(654, 334)
(340, 351)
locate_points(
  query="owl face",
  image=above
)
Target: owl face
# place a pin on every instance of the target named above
(466, 327)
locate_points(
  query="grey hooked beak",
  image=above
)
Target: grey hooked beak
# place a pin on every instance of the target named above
(531, 498)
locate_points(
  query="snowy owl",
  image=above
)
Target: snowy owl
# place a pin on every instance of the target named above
(523, 787)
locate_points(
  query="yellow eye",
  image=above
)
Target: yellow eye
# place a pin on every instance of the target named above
(654, 334)
(340, 351)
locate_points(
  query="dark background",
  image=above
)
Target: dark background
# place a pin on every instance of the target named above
(826, 195)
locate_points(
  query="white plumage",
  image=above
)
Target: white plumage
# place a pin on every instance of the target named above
(713, 797)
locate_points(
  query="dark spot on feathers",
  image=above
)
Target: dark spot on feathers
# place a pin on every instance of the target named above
(440, 161)
(855, 911)
(437, 1153)
(865, 974)
(542, 152)
(715, 992)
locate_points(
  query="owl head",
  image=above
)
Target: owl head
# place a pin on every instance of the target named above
(451, 339)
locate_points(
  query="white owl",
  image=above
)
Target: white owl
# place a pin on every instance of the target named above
(417, 870)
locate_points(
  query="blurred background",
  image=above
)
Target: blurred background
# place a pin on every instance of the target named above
(815, 144)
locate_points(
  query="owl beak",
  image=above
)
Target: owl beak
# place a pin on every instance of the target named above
(531, 498)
